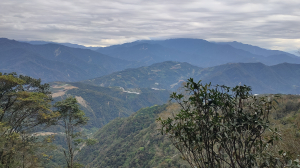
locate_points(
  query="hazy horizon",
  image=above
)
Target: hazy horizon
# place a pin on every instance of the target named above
(270, 24)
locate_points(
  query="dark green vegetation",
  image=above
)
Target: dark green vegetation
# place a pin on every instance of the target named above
(103, 104)
(281, 78)
(54, 62)
(196, 52)
(136, 141)
(222, 127)
(24, 105)
(132, 142)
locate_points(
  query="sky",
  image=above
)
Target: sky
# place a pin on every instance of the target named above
(271, 24)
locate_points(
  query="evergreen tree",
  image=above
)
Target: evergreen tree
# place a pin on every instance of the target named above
(71, 117)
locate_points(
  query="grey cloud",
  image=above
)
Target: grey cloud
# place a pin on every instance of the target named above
(92, 22)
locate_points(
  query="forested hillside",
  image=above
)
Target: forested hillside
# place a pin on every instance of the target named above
(103, 104)
(166, 75)
(133, 142)
(281, 78)
(136, 141)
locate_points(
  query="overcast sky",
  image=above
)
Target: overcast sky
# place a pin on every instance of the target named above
(273, 24)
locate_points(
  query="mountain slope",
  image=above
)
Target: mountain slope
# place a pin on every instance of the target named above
(196, 52)
(65, 44)
(76, 64)
(271, 57)
(136, 141)
(281, 78)
(280, 58)
(145, 53)
(28, 63)
(164, 75)
(102, 104)
(256, 50)
(132, 142)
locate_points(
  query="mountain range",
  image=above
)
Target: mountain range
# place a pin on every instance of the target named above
(64, 44)
(54, 62)
(197, 52)
(58, 62)
(116, 85)
(256, 50)
(281, 78)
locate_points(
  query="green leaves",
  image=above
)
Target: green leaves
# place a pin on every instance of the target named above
(215, 120)
(70, 112)
(24, 105)
(70, 118)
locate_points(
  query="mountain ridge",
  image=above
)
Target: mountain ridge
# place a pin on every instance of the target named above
(197, 52)
(281, 78)
(82, 63)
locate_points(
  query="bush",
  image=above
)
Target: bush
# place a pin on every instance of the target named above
(222, 127)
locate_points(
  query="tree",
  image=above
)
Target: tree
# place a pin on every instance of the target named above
(24, 105)
(71, 117)
(221, 127)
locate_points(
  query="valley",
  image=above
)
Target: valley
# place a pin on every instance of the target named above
(123, 90)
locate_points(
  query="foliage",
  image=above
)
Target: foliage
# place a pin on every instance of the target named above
(286, 119)
(100, 112)
(24, 105)
(120, 141)
(71, 117)
(132, 142)
(221, 127)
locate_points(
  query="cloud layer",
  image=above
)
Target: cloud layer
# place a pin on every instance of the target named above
(268, 23)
